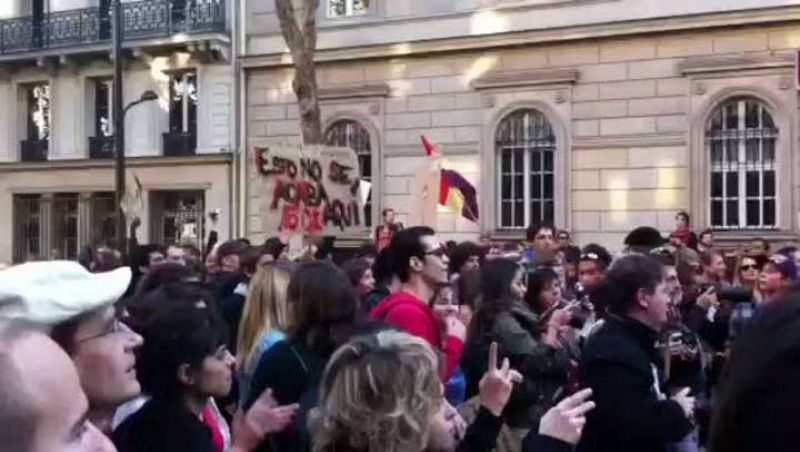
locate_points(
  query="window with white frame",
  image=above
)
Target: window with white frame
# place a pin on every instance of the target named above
(347, 8)
(740, 143)
(349, 133)
(38, 117)
(525, 145)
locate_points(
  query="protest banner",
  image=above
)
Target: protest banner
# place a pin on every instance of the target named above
(311, 190)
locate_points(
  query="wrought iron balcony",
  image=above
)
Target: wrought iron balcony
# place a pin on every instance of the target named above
(142, 19)
(101, 147)
(33, 150)
(178, 144)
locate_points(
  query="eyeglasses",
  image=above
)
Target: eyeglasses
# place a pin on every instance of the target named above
(748, 267)
(116, 326)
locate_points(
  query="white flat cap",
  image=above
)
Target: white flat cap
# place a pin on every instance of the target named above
(51, 292)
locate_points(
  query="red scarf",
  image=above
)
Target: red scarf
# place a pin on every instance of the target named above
(211, 422)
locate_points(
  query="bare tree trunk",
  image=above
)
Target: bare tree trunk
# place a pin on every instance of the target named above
(301, 38)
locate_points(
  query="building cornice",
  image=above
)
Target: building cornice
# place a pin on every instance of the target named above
(751, 17)
(132, 162)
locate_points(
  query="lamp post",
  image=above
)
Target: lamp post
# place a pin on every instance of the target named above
(119, 127)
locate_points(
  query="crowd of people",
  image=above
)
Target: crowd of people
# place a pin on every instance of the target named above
(410, 344)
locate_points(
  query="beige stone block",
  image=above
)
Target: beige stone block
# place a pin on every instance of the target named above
(657, 106)
(600, 158)
(468, 100)
(465, 226)
(436, 135)
(515, 60)
(784, 39)
(628, 90)
(396, 105)
(652, 69)
(628, 50)
(675, 177)
(603, 72)
(409, 86)
(384, 70)
(431, 103)
(700, 44)
(627, 179)
(673, 123)
(436, 67)
(448, 84)
(257, 129)
(280, 128)
(626, 220)
(445, 222)
(400, 203)
(583, 92)
(591, 200)
(403, 166)
(457, 118)
(600, 109)
(740, 42)
(586, 180)
(468, 134)
(395, 186)
(268, 112)
(292, 111)
(585, 221)
(341, 74)
(408, 120)
(673, 87)
(659, 199)
(572, 55)
(396, 137)
(657, 157)
(627, 126)
(586, 128)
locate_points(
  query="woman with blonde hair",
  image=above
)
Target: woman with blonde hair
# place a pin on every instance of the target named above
(382, 393)
(265, 318)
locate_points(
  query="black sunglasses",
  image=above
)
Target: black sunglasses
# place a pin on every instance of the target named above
(748, 267)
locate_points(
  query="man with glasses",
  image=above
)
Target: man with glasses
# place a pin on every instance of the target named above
(420, 263)
(78, 308)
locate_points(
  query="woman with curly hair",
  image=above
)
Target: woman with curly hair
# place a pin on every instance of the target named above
(382, 393)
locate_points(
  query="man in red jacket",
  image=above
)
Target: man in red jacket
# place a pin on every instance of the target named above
(420, 262)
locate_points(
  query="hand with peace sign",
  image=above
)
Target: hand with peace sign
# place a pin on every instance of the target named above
(497, 383)
(565, 421)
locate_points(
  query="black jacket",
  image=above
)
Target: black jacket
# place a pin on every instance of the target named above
(163, 426)
(618, 364)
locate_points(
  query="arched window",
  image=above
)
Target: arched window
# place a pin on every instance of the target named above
(525, 146)
(740, 142)
(349, 133)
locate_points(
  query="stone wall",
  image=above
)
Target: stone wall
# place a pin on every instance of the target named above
(629, 115)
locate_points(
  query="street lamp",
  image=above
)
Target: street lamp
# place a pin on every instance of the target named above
(119, 142)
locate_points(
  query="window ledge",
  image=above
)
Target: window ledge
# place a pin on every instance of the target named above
(732, 238)
(707, 65)
(355, 91)
(526, 78)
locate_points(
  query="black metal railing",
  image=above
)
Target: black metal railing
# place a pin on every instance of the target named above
(178, 144)
(142, 19)
(33, 150)
(101, 147)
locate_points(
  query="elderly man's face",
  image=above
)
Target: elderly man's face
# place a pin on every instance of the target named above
(61, 406)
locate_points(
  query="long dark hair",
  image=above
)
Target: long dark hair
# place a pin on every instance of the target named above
(758, 393)
(323, 306)
(538, 281)
(496, 296)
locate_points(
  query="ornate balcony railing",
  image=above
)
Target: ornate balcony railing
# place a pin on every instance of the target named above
(33, 150)
(101, 147)
(141, 19)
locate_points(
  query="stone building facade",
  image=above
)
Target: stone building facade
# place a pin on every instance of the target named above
(599, 116)
(56, 125)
